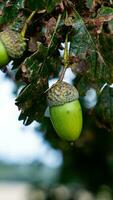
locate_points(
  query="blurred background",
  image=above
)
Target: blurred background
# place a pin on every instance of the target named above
(36, 165)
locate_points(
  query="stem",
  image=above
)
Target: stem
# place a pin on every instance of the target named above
(66, 57)
(62, 74)
(66, 54)
(23, 32)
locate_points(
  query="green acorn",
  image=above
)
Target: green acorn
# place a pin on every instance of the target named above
(12, 44)
(65, 110)
(4, 58)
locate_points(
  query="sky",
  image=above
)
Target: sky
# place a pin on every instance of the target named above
(19, 143)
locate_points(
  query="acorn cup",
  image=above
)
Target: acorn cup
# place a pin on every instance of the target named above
(12, 44)
(65, 110)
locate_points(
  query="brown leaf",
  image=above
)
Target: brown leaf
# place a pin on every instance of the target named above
(32, 45)
(1, 12)
(49, 29)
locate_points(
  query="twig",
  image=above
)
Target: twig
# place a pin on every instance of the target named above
(23, 32)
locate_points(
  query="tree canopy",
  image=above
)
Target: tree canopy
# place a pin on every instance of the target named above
(45, 24)
(87, 25)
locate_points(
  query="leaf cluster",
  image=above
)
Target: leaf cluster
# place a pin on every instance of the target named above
(89, 25)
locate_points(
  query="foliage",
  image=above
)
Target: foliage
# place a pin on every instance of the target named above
(90, 36)
(88, 25)
(90, 55)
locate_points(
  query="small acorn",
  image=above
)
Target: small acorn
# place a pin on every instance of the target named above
(12, 44)
(65, 110)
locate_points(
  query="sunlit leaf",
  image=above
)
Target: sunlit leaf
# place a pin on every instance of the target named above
(105, 11)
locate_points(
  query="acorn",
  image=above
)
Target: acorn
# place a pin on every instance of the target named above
(4, 58)
(65, 110)
(12, 44)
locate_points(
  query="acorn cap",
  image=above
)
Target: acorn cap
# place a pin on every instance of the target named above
(13, 42)
(61, 93)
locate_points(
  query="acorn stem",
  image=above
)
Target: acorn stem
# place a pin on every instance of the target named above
(66, 57)
(62, 74)
(23, 32)
(66, 53)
